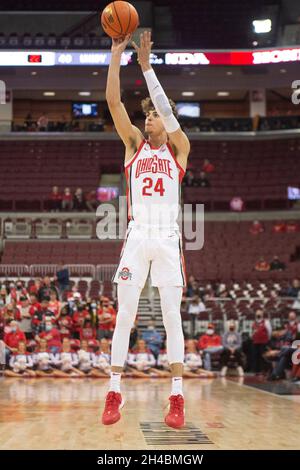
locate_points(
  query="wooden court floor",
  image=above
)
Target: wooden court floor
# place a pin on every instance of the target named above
(220, 414)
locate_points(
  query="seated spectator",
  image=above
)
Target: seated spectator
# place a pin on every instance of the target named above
(188, 179)
(25, 317)
(43, 122)
(141, 360)
(79, 203)
(67, 200)
(296, 304)
(13, 336)
(87, 361)
(45, 289)
(237, 204)
(78, 318)
(280, 340)
(292, 227)
(196, 306)
(232, 343)
(20, 363)
(65, 324)
(276, 264)
(208, 167)
(34, 304)
(49, 331)
(87, 331)
(66, 361)
(256, 228)
(202, 181)
(293, 290)
(55, 199)
(54, 303)
(193, 288)
(152, 338)
(40, 316)
(279, 227)
(261, 334)
(192, 366)
(106, 319)
(262, 265)
(91, 201)
(209, 343)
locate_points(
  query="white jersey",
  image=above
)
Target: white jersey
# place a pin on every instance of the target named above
(153, 186)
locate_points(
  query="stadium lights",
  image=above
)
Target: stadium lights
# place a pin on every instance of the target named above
(262, 26)
(223, 93)
(188, 93)
(49, 93)
(84, 93)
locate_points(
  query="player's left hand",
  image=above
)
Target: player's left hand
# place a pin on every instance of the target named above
(144, 51)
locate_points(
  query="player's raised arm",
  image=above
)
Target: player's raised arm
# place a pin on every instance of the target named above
(130, 135)
(160, 101)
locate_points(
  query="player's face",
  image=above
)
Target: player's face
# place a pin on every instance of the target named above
(153, 123)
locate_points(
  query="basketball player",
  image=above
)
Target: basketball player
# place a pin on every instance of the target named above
(154, 168)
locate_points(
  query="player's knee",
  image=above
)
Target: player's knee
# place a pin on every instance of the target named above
(124, 319)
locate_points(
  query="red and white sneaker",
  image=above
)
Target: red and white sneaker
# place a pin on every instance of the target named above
(175, 417)
(113, 404)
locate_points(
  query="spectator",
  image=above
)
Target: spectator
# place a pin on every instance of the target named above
(50, 332)
(262, 265)
(193, 288)
(196, 306)
(202, 181)
(188, 179)
(208, 167)
(106, 320)
(232, 343)
(193, 362)
(210, 343)
(296, 304)
(276, 264)
(78, 319)
(63, 280)
(152, 338)
(87, 331)
(279, 227)
(40, 316)
(292, 227)
(256, 228)
(34, 304)
(46, 288)
(67, 200)
(13, 336)
(65, 324)
(43, 122)
(237, 204)
(141, 360)
(91, 201)
(79, 203)
(281, 339)
(293, 324)
(55, 199)
(20, 363)
(294, 289)
(261, 334)
(25, 317)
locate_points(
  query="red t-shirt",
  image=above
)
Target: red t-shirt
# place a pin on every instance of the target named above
(13, 338)
(208, 168)
(78, 320)
(209, 341)
(55, 338)
(279, 227)
(34, 308)
(109, 312)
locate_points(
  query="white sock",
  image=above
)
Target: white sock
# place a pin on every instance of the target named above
(115, 382)
(177, 386)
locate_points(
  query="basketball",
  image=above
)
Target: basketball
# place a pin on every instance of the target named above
(119, 18)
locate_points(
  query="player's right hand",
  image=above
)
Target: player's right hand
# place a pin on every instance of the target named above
(119, 45)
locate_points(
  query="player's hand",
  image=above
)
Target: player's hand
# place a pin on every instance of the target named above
(144, 51)
(119, 45)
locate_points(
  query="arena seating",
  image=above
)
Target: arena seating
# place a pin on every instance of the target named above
(257, 171)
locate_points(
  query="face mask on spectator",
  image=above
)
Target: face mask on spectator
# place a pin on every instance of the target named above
(150, 327)
(13, 329)
(94, 305)
(48, 327)
(210, 331)
(19, 286)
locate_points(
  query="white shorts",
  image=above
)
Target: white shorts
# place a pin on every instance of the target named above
(162, 256)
